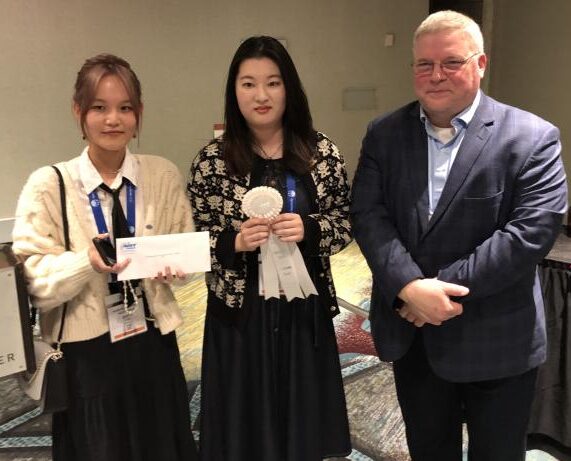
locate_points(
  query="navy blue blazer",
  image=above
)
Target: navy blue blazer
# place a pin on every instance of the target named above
(498, 216)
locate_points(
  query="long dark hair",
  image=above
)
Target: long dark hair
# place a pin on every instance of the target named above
(299, 136)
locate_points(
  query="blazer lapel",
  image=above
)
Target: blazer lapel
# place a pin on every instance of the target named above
(416, 150)
(476, 136)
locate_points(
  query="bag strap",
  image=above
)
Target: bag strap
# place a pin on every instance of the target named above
(67, 243)
(63, 208)
(67, 248)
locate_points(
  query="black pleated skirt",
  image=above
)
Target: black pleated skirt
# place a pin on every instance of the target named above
(272, 390)
(129, 402)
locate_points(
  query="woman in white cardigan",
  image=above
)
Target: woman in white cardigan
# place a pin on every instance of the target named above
(128, 397)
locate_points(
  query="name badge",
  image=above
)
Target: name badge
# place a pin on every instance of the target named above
(123, 324)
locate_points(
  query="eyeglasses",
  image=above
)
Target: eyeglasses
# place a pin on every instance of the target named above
(448, 65)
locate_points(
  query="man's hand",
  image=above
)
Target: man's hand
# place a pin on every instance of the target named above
(428, 301)
(411, 315)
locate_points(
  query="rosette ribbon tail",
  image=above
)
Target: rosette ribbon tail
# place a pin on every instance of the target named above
(292, 274)
(270, 278)
(305, 282)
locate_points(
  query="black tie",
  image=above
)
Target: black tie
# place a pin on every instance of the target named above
(120, 226)
(120, 230)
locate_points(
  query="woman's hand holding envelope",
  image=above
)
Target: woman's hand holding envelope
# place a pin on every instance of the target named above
(168, 277)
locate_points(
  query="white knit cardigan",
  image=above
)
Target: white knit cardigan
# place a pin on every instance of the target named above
(56, 276)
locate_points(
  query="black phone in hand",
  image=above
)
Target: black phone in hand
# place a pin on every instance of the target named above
(106, 250)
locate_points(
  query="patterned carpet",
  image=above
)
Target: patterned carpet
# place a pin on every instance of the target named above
(376, 426)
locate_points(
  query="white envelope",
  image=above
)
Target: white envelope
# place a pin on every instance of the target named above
(150, 255)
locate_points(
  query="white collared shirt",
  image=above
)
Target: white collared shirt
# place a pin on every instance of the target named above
(87, 179)
(443, 146)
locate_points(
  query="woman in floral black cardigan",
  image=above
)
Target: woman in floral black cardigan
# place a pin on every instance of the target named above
(271, 380)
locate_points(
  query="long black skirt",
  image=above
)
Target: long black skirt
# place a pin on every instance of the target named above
(272, 390)
(129, 402)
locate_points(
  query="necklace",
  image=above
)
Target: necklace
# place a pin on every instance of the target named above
(267, 156)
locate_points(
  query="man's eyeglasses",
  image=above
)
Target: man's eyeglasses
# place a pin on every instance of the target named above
(448, 65)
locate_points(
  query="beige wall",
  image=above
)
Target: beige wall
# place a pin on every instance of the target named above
(531, 60)
(180, 50)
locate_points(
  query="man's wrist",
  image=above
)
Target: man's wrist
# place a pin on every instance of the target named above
(404, 293)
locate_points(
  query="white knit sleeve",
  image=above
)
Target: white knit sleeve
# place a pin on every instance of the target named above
(54, 275)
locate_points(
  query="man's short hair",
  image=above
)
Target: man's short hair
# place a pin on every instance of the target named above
(451, 20)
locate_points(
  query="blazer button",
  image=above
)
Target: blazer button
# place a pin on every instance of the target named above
(322, 274)
(332, 308)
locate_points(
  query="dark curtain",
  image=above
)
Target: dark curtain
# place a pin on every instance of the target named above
(550, 423)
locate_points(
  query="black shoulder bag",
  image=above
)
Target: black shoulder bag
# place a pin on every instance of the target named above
(48, 384)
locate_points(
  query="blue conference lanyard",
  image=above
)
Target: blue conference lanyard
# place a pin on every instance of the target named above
(290, 185)
(98, 212)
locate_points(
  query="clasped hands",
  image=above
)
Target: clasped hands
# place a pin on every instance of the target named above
(288, 227)
(428, 301)
(100, 266)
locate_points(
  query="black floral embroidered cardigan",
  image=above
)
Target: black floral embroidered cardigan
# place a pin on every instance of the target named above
(216, 199)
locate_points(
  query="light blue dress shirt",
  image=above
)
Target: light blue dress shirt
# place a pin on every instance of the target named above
(443, 146)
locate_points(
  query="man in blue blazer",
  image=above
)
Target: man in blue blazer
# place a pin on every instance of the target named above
(456, 199)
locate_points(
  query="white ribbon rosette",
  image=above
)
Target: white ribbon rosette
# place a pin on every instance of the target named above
(282, 263)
